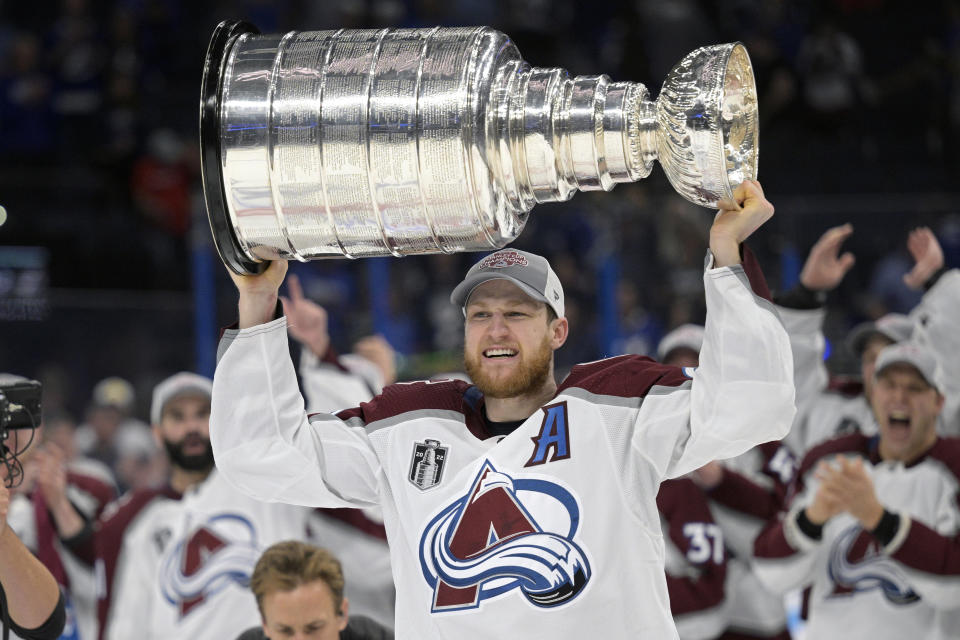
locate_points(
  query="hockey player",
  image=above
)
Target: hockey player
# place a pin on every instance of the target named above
(874, 524)
(695, 561)
(744, 493)
(823, 413)
(174, 562)
(508, 503)
(57, 481)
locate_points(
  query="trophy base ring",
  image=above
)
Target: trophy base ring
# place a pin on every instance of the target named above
(224, 236)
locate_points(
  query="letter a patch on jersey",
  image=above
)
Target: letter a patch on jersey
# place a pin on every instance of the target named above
(553, 436)
(489, 543)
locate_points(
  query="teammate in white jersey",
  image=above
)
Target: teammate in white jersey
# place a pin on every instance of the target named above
(173, 562)
(514, 506)
(825, 412)
(874, 525)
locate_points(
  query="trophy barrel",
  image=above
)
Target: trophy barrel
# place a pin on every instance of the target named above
(355, 143)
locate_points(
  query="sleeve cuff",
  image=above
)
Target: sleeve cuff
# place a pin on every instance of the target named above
(892, 531)
(794, 532)
(932, 280)
(800, 297)
(80, 537)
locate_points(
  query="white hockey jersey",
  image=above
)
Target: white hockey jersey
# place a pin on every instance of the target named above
(552, 530)
(185, 565)
(860, 589)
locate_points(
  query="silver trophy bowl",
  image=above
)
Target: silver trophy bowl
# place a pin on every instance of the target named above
(411, 141)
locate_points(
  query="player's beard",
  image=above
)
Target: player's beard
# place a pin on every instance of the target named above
(192, 462)
(528, 379)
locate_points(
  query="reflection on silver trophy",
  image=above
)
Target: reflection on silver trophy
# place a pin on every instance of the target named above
(411, 141)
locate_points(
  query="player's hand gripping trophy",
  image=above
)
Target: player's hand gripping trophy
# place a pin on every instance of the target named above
(409, 141)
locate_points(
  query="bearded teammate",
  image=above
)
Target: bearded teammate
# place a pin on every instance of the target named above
(174, 562)
(508, 504)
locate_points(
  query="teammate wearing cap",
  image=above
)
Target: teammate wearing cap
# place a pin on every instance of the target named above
(824, 413)
(174, 561)
(509, 503)
(874, 524)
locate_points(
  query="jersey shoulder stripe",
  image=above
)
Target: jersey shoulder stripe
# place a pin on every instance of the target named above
(627, 376)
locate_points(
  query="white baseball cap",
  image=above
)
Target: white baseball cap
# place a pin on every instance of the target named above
(689, 336)
(896, 327)
(918, 356)
(178, 384)
(530, 272)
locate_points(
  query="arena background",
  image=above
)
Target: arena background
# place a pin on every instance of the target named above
(106, 266)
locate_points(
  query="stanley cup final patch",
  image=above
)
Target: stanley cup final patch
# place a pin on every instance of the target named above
(427, 463)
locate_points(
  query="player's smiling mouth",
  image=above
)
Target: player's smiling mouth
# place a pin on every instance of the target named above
(499, 352)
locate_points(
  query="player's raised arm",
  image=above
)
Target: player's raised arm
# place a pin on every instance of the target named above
(742, 393)
(262, 439)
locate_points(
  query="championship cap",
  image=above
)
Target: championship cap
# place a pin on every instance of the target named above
(113, 392)
(893, 326)
(179, 384)
(917, 356)
(688, 336)
(530, 272)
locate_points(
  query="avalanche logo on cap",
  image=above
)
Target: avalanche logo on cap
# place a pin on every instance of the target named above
(502, 260)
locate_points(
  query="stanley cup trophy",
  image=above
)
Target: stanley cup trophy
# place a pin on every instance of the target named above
(411, 141)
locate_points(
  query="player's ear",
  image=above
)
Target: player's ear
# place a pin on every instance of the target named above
(344, 613)
(559, 330)
(157, 435)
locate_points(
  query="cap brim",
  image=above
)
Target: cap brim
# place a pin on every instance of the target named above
(461, 294)
(860, 335)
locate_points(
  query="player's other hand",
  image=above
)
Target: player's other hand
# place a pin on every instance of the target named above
(825, 267)
(306, 320)
(259, 293)
(731, 226)
(927, 255)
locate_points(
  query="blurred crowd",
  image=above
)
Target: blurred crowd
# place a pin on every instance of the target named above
(99, 159)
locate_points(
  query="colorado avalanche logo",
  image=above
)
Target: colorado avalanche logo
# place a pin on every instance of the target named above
(221, 552)
(502, 260)
(487, 544)
(855, 565)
